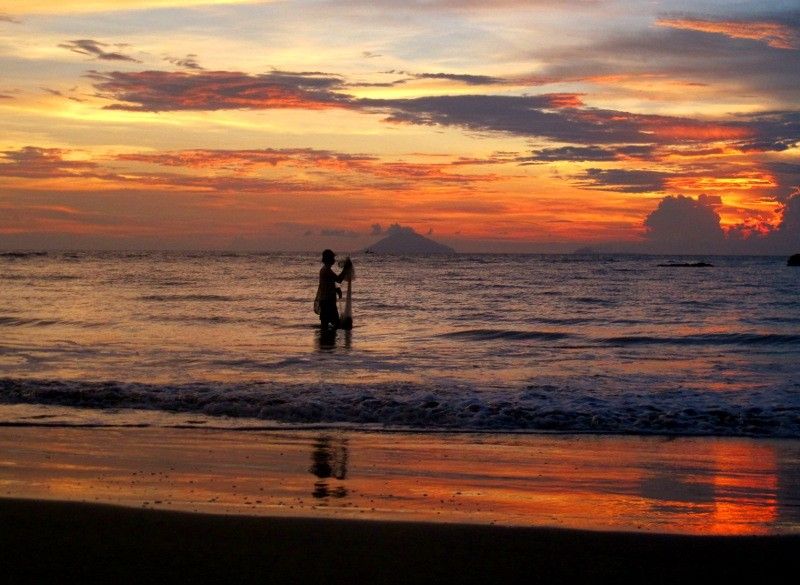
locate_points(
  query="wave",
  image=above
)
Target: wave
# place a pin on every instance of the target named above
(187, 297)
(6, 321)
(594, 301)
(707, 339)
(207, 319)
(773, 412)
(509, 334)
(40, 277)
(22, 255)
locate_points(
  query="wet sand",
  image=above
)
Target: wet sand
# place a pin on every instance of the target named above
(689, 486)
(392, 507)
(72, 542)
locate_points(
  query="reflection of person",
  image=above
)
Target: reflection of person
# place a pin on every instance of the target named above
(329, 460)
(328, 291)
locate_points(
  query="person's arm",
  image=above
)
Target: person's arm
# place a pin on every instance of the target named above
(345, 271)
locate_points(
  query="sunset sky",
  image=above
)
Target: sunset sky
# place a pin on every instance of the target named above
(513, 125)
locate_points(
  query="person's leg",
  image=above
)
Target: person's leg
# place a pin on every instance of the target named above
(328, 314)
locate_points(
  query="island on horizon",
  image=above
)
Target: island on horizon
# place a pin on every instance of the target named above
(404, 240)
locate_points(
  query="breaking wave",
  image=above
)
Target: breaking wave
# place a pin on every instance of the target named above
(504, 334)
(708, 339)
(772, 412)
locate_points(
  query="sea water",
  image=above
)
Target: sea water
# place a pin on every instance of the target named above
(501, 343)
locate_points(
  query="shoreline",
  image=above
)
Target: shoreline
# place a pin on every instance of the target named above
(703, 486)
(70, 541)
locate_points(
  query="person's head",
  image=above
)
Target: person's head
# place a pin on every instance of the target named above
(328, 257)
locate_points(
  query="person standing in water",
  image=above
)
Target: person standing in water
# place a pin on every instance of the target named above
(328, 292)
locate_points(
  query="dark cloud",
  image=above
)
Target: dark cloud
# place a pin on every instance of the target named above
(683, 223)
(397, 229)
(33, 163)
(161, 91)
(787, 177)
(771, 131)
(679, 54)
(787, 170)
(376, 229)
(561, 117)
(187, 62)
(9, 18)
(710, 200)
(624, 181)
(407, 76)
(790, 221)
(96, 49)
(590, 153)
(59, 93)
(462, 78)
(553, 116)
(788, 231)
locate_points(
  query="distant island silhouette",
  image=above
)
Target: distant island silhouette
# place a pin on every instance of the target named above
(404, 240)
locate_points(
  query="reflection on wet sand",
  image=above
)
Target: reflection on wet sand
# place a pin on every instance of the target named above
(724, 487)
(745, 488)
(685, 485)
(329, 460)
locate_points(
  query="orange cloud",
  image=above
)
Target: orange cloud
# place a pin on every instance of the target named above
(252, 190)
(773, 34)
(741, 182)
(698, 132)
(355, 164)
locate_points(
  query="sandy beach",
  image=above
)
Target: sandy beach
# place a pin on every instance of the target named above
(68, 542)
(390, 507)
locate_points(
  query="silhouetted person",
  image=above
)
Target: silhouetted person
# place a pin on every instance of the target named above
(328, 292)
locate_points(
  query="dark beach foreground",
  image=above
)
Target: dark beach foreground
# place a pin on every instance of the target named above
(46, 541)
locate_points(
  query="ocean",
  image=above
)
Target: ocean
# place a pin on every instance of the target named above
(616, 344)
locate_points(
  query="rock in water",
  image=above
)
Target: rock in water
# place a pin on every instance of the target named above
(794, 260)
